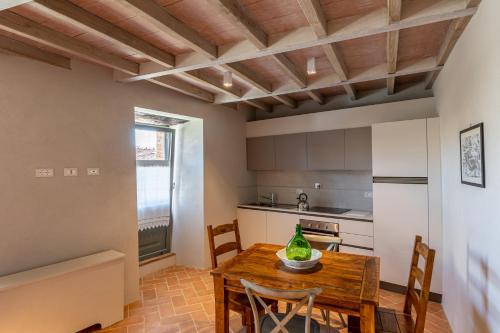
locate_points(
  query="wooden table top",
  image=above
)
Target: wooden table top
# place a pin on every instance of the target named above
(347, 280)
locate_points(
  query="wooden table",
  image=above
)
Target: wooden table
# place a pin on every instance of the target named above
(350, 283)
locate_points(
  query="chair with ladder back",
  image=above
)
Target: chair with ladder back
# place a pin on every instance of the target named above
(392, 321)
(237, 302)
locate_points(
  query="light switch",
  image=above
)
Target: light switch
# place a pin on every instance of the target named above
(70, 172)
(93, 171)
(43, 173)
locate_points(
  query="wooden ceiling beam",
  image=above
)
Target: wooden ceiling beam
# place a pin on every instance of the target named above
(378, 72)
(393, 16)
(34, 31)
(76, 15)
(288, 101)
(21, 26)
(248, 76)
(316, 96)
(417, 13)
(260, 105)
(455, 30)
(12, 46)
(316, 18)
(168, 24)
(212, 82)
(236, 14)
(183, 87)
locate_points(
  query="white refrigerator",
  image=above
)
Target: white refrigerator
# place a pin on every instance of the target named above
(404, 173)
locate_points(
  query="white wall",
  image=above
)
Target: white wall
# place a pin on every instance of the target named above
(51, 117)
(187, 205)
(345, 118)
(468, 92)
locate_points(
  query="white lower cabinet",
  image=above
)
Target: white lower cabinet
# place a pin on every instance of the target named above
(252, 225)
(281, 227)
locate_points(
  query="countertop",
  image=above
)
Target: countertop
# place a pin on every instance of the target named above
(357, 215)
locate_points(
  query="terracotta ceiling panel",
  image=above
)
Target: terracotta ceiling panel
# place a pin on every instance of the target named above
(409, 79)
(208, 20)
(421, 42)
(267, 69)
(370, 85)
(299, 96)
(335, 9)
(365, 52)
(332, 91)
(275, 16)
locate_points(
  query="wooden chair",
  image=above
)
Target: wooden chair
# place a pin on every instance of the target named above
(289, 322)
(237, 302)
(391, 321)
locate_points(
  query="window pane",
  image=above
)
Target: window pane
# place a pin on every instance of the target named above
(150, 145)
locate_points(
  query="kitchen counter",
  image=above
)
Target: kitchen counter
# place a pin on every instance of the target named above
(356, 215)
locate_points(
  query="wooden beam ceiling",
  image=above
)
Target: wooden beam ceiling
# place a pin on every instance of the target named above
(76, 15)
(18, 25)
(163, 67)
(417, 14)
(162, 20)
(393, 16)
(378, 72)
(236, 14)
(13, 46)
(455, 30)
(152, 12)
(314, 15)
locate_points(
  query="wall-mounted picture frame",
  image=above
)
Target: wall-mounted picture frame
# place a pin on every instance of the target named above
(472, 156)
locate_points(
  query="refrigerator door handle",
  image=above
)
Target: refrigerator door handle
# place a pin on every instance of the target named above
(400, 180)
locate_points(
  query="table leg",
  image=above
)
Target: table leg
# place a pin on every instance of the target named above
(221, 306)
(367, 318)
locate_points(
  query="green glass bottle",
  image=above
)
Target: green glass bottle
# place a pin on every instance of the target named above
(298, 248)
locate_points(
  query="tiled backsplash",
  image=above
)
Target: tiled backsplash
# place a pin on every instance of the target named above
(343, 189)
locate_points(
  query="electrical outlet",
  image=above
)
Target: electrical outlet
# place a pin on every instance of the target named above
(317, 186)
(93, 171)
(70, 172)
(44, 173)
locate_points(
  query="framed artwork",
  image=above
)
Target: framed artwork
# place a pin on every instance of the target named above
(472, 156)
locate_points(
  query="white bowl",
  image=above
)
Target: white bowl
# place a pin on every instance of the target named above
(296, 264)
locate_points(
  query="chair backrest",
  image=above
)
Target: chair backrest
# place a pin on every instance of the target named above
(423, 277)
(302, 297)
(335, 245)
(226, 247)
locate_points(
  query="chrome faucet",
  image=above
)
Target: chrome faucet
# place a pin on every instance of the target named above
(272, 197)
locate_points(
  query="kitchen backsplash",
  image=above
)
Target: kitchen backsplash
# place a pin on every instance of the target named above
(342, 189)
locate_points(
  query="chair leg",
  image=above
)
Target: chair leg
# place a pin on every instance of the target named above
(344, 324)
(248, 320)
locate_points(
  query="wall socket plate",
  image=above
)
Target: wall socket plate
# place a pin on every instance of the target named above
(317, 186)
(93, 171)
(70, 172)
(44, 173)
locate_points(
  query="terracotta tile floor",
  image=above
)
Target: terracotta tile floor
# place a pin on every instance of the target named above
(180, 299)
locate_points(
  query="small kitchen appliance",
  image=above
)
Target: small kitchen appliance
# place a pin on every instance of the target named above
(302, 205)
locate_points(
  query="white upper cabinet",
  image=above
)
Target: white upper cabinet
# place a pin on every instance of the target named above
(400, 149)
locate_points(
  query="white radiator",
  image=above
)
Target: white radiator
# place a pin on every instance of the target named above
(65, 297)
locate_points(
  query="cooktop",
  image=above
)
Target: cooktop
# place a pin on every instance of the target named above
(329, 210)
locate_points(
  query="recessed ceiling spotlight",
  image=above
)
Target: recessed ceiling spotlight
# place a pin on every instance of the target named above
(228, 79)
(311, 65)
